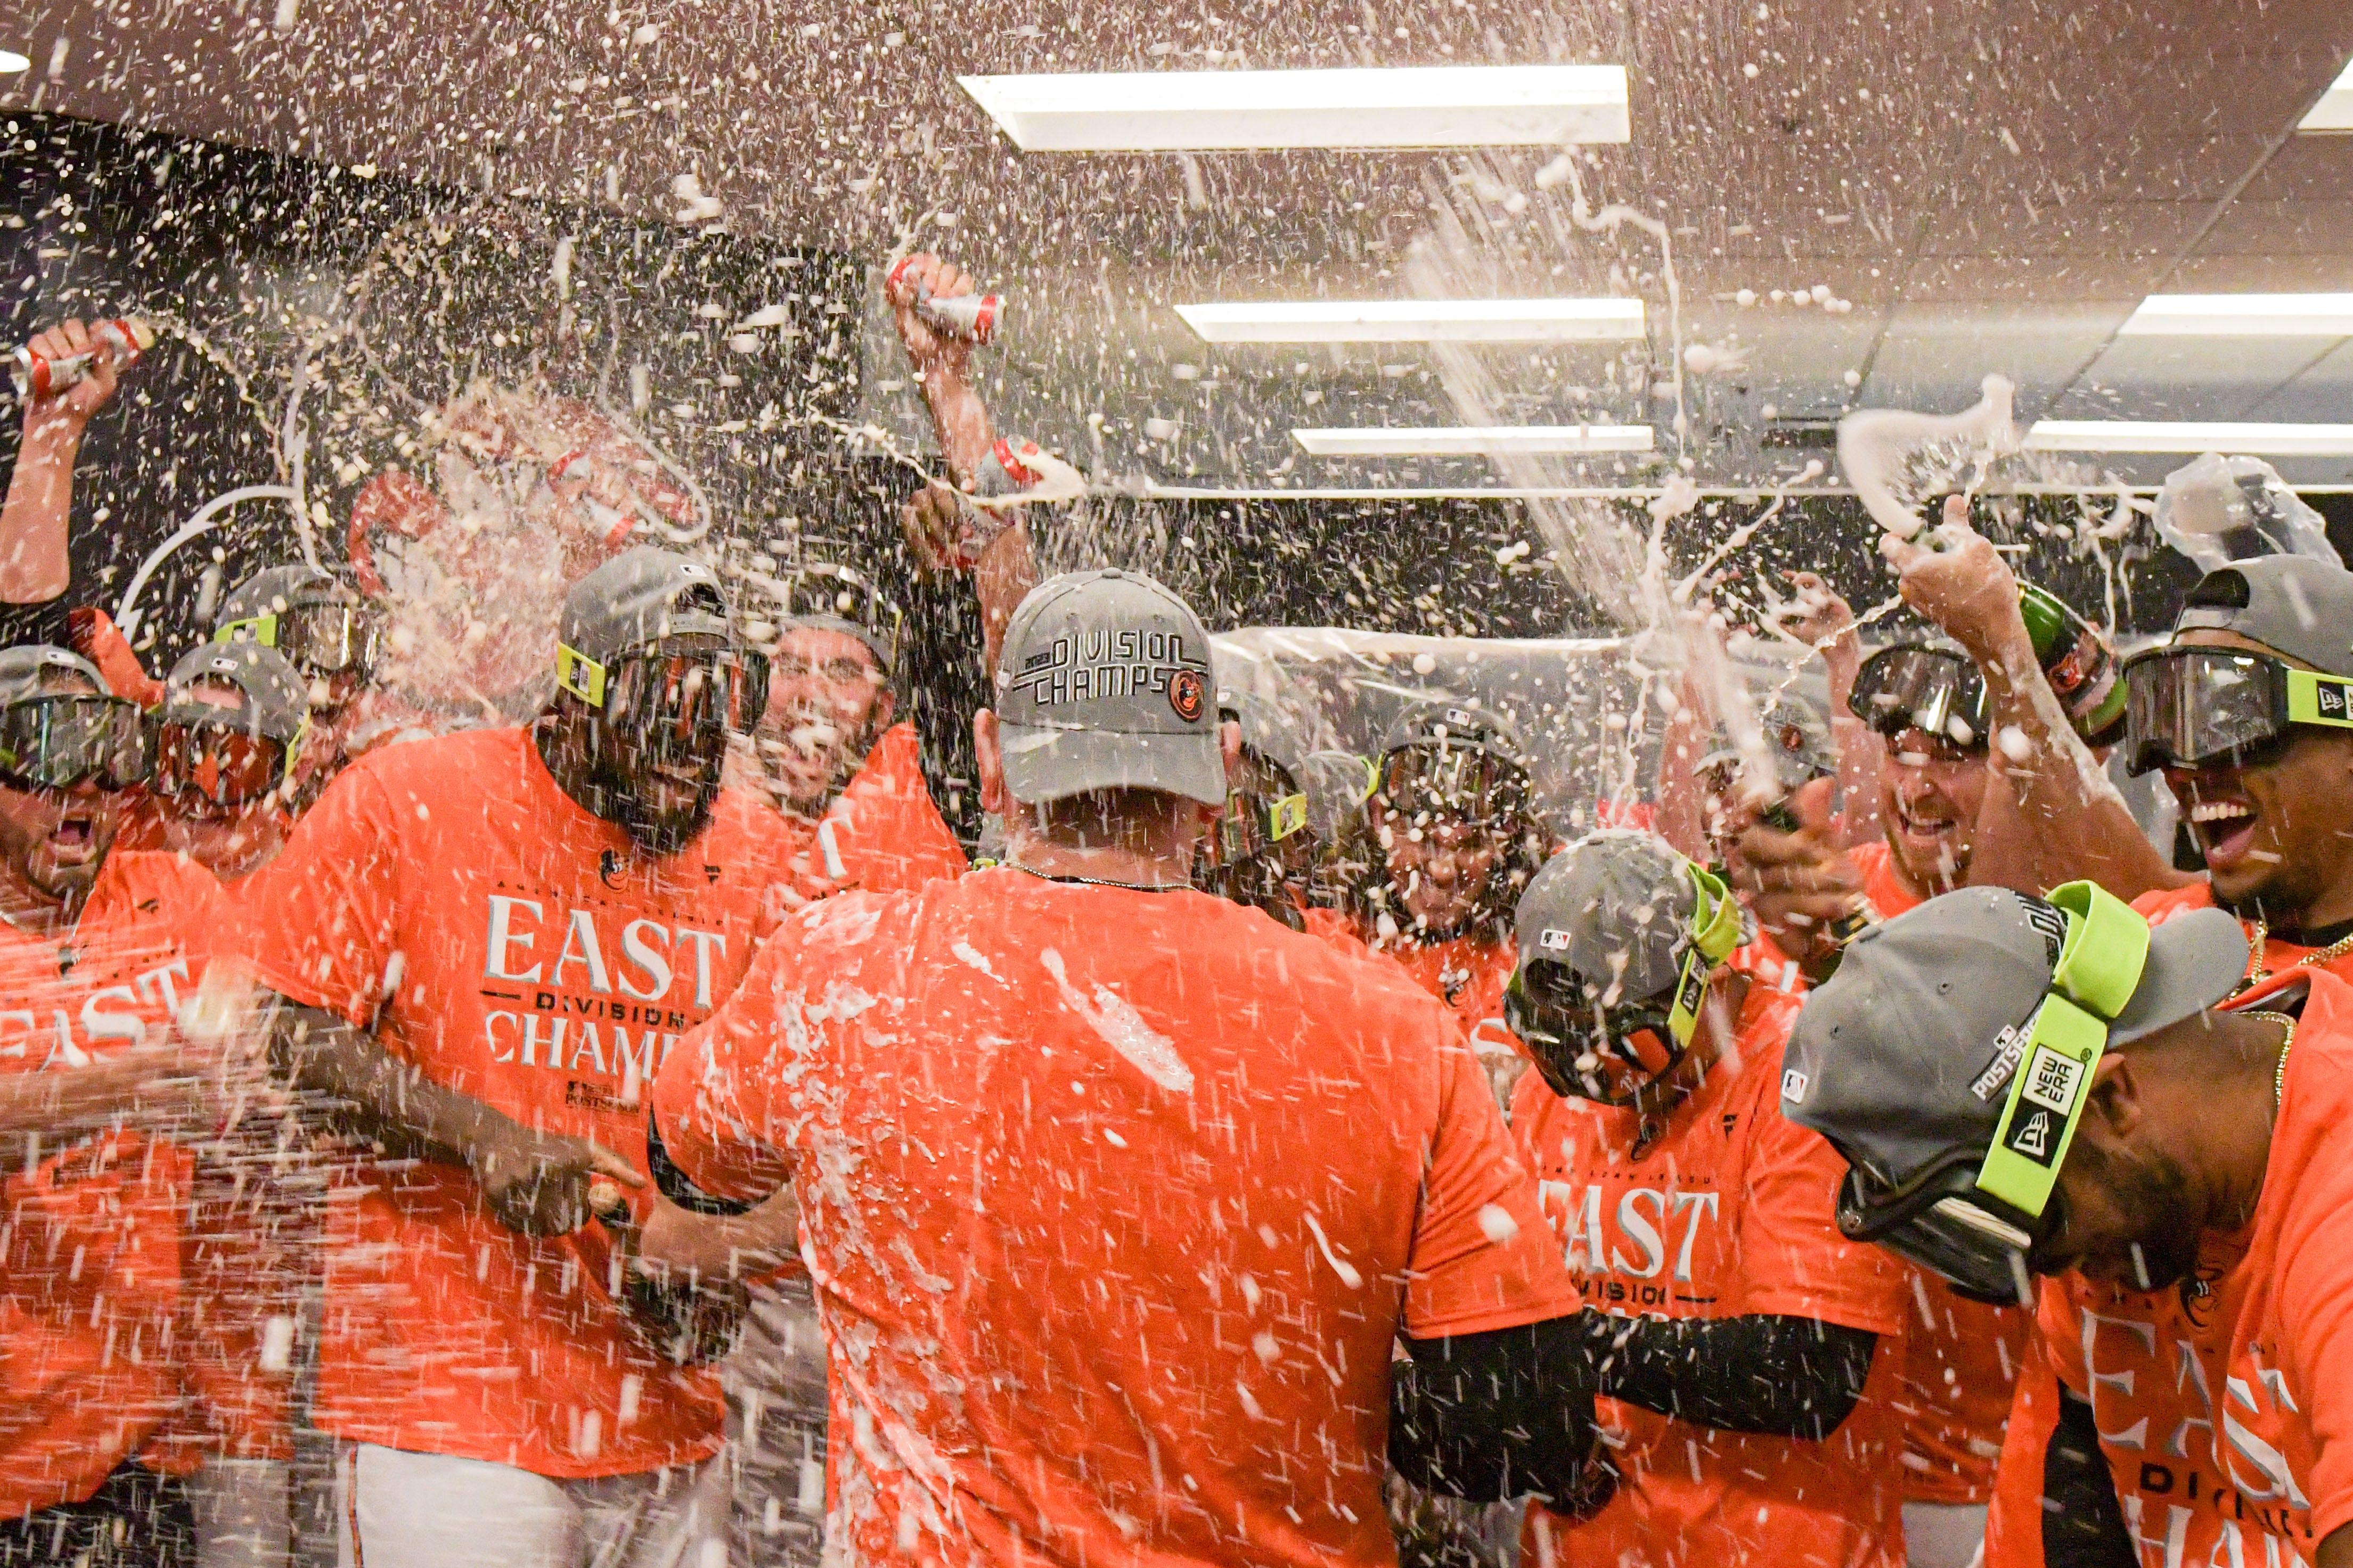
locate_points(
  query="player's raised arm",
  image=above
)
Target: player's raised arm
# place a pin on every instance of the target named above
(70, 374)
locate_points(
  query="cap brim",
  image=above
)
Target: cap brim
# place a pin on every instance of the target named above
(2195, 960)
(1048, 764)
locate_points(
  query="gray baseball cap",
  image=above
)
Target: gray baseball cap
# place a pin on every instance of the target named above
(1617, 903)
(2291, 603)
(277, 699)
(640, 599)
(831, 598)
(278, 589)
(1104, 684)
(1797, 740)
(23, 671)
(1458, 724)
(1904, 1055)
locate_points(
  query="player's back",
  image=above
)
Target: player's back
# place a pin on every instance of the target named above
(1112, 1196)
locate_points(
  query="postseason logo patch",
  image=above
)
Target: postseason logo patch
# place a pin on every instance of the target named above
(2008, 1048)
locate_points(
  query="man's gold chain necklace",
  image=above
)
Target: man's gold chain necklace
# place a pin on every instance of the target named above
(2263, 972)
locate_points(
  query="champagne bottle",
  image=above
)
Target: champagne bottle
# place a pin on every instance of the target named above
(2077, 661)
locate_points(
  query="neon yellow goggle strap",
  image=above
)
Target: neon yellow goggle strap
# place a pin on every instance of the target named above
(580, 674)
(2099, 967)
(1284, 817)
(1717, 930)
(263, 627)
(2317, 699)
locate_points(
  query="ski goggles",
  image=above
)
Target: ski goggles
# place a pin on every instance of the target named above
(2206, 707)
(1463, 783)
(1974, 1216)
(1612, 1052)
(1915, 687)
(63, 741)
(319, 639)
(1257, 819)
(218, 762)
(671, 705)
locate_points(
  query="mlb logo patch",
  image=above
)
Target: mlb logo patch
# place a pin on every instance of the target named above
(1552, 938)
(1794, 1085)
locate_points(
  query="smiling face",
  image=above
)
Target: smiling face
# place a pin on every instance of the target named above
(2277, 830)
(827, 701)
(1931, 792)
(53, 841)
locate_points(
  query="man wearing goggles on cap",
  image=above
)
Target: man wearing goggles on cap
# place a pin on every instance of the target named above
(2051, 1098)
(2246, 710)
(1263, 851)
(331, 636)
(100, 947)
(1448, 838)
(1046, 1032)
(502, 932)
(228, 742)
(1733, 1328)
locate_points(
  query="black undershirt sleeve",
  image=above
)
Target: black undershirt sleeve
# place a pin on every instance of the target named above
(41, 621)
(1501, 1414)
(2083, 1523)
(673, 1184)
(1778, 1376)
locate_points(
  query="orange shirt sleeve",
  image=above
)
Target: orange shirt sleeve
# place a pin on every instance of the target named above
(321, 918)
(715, 1099)
(1482, 1257)
(1793, 1259)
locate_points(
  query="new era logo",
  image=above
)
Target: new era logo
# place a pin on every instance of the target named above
(2331, 700)
(2036, 1132)
(2051, 1081)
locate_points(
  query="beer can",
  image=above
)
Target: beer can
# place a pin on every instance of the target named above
(36, 375)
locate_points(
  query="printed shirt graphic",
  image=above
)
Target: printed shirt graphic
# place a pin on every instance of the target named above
(1114, 1202)
(91, 1267)
(2224, 1405)
(1729, 1214)
(1960, 1357)
(882, 834)
(511, 947)
(2277, 957)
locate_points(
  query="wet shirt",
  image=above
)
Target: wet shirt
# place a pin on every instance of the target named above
(2277, 955)
(513, 947)
(1960, 1357)
(91, 1267)
(882, 833)
(2225, 1404)
(1728, 1215)
(1114, 1202)
(1468, 975)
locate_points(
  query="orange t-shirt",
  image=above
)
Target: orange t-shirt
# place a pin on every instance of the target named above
(1728, 1215)
(2278, 956)
(1960, 1357)
(1116, 1202)
(2224, 1405)
(91, 1240)
(1468, 975)
(882, 834)
(513, 947)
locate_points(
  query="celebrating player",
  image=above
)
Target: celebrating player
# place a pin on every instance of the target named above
(1136, 1171)
(36, 567)
(1738, 1332)
(100, 948)
(228, 740)
(504, 930)
(2051, 1088)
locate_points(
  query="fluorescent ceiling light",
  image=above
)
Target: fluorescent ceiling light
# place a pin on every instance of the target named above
(1417, 321)
(2335, 110)
(1474, 441)
(1207, 112)
(2192, 437)
(13, 63)
(2242, 315)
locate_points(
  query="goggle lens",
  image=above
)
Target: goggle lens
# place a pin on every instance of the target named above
(1930, 689)
(61, 742)
(2194, 708)
(225, 766)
